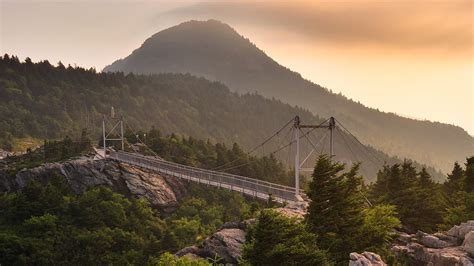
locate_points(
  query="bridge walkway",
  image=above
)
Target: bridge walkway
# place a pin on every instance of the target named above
(245, 185)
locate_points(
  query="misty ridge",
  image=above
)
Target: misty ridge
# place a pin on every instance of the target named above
(215, 51)
(59, 101)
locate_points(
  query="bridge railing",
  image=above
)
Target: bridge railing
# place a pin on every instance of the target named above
(246, 185)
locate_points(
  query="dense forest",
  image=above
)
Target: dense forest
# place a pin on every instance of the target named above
(341, 220)
(42, 101)
(48, 224)
(216, 51)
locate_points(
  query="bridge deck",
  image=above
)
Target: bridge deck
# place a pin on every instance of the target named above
(249, 186)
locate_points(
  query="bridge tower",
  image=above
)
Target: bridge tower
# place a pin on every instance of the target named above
(117, 129)
(298, 166)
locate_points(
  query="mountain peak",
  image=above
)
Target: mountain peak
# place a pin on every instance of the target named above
(193, 32)
(196, 47)
(216, 51)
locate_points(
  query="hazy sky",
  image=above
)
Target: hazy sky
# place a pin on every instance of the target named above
(414, 58)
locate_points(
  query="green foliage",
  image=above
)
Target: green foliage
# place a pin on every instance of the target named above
(460, 195)
(455, 180)
(50, 151)
(377, 230)
(335, 210)
(167, 259)
(460, 210)
(420, 202)
(469, 172)
(203, 212)
(338, 215)
(276, 240)
(47, 224)
(48, 102)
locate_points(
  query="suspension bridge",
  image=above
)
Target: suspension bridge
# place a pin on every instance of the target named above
(217, 177)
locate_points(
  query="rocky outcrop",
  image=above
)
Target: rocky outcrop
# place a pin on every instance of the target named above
(294, 209)
(460, 231)
(468, 243)
(365, 259)
(225, 244)
(161, 191)
(454, 247)
(4, 154)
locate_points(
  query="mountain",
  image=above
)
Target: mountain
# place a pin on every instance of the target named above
(217, 52)
(42, 101)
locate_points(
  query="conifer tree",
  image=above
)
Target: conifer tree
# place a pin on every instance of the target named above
(429, 205)
(469, 179)
(460, 189)
(279, 240)
(455, 179)
(418, 198)
(335, 210)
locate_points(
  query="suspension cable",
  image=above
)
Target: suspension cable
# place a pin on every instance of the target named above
(257, 147)
(339, 131)
(138, 138)
(365, 147)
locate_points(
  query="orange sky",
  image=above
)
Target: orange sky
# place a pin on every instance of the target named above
(414, 58)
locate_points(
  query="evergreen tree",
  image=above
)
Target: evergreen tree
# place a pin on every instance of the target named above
(276, 240)
(455, 179)
(460, 194)
(429, 205)
(419, 200)
(469, 179)
(335, 210)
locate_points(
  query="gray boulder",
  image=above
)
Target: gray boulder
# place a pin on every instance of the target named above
(439, 248)
(365, 259)
(459, 231)
(225, 245)
(431, 241)
(468, 243)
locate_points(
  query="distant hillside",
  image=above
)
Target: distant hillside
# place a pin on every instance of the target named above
(42, 101)
(216, 51)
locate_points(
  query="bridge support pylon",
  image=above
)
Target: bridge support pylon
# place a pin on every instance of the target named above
(298, 166)
(117, 128)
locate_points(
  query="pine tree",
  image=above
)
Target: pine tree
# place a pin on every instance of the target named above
(419, 200)
(455, 179)
(429, 205)
(276, 239)
(469, 179)
(335, 210)
(460, 186)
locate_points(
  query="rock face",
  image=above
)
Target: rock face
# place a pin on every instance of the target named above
(4, 154)
(365, 259)
(161, 191)
(439, 248)
(297, 210)
(459, 231)
(468, 244)
(225, 244)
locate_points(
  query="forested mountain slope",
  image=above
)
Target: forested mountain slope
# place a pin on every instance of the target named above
(216, 51)
(46, 102)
